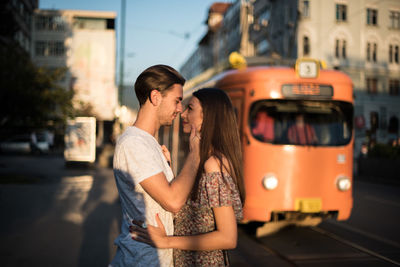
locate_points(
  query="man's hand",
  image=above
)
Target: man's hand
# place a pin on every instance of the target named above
(166, 153)
(154, 236)
(194, 141)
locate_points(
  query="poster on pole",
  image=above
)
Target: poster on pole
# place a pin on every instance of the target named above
(80, 139)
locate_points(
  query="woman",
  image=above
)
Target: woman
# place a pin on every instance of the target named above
(206, 226)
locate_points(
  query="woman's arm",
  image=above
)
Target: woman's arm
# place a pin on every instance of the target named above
(224, 237)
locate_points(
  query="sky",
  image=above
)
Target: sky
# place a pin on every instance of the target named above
(156, 31)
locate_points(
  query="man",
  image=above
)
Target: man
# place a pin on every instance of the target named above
(143, 176)
(263, 128)
(302, 133)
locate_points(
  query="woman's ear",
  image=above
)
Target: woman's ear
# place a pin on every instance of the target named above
(155, 97)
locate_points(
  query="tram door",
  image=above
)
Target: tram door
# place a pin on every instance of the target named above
(237, 98)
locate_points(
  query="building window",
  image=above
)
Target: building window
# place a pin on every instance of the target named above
(50, 23)
(394, 54)
(58, 49)
(372, 86)
(337, 44)
(21, 9)
(264, 17)
(374, 120)
(49, 48)
(90, 23)
(393, 127)
(306, 46)
(262, 47)
(394, 17)
(305, 9)
(372, 49)
(344, 49)
(341, 12)
(40, 48)
(394, 87)
(110, 24)
(374, 52)
(340, 49)
(372, 16)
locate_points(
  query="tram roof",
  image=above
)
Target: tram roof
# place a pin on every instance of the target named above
(278, 74)
(264, 73)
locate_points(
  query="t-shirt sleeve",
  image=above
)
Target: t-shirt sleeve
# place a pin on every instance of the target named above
(142, 160)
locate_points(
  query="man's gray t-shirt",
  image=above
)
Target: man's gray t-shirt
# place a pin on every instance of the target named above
(138, 156)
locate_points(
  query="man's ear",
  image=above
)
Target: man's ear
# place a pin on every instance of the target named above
(155, 97)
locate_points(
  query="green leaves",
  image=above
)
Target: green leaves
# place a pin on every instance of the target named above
(30, 96)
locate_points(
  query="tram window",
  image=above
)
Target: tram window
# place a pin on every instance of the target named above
(299, 122)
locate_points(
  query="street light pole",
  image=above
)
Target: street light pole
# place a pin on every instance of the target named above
(246, 19)
(122, 52)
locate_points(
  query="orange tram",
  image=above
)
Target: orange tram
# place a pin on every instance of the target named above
(296, 127)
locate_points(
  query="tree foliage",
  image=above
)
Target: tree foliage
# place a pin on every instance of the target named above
(30, 96)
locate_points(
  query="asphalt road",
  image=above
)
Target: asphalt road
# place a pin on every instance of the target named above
(58, 216)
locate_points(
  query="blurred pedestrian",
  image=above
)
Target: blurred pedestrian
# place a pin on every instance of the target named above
(33, 143)
(144, 178)
(364, 150)
(50, 138)
(207, 225)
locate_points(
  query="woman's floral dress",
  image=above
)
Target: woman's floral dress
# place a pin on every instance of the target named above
(195, 217)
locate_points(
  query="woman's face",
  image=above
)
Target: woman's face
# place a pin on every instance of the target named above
(193, 115)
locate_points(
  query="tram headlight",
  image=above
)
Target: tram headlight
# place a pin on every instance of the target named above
(270, 182)
(343, 183)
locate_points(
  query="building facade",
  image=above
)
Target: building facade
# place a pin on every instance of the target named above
(16, 22)
(358, 37)
(362, 39)
(83, 42)
(245, 26)
(210, 47)
(273, 31)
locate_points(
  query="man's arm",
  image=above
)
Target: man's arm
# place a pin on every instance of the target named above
(172, 196)
(223, 237)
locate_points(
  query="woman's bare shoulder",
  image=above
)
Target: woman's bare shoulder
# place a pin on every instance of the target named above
(213, 164)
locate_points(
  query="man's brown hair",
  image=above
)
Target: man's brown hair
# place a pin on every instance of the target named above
(157, 77)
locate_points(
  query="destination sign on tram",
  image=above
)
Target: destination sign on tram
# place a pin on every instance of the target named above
(307, 90)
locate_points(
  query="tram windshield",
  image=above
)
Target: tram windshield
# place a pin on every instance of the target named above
(302, 122)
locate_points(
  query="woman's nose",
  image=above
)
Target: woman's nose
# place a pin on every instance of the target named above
(183, 114)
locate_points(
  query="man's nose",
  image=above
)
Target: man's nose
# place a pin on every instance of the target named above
(179, 108)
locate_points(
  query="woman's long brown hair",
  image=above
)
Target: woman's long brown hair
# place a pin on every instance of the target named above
(219, 136)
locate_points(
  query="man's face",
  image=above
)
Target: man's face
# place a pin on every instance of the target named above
(171, 105)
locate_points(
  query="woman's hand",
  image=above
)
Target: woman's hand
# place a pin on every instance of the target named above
(166, 153)
(154, 236)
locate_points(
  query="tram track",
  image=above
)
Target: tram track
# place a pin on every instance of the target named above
(314, 246)
(354, 245)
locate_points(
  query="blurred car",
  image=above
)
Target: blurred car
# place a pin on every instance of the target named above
(42, 142)
(22, 144)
